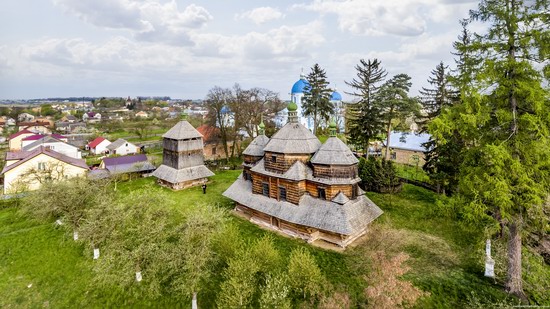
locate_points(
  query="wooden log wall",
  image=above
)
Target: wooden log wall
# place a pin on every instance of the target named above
(335, 171)
(251, 159)
(294, 189)
(282, 162)
(182, 159)
(330, 190)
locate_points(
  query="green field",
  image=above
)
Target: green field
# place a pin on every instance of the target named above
(41, 266)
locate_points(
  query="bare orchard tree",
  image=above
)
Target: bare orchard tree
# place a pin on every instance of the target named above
(219, 114)
(252, 104)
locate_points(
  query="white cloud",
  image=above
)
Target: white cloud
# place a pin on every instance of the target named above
(147, 20)
(261, 15)
(380, 17)
(275, 44)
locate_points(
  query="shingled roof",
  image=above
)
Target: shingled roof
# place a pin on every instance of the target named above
(350, 218)
(256, 148)
(334, 152)
(182, 130)
(173, 175)
(293, 138)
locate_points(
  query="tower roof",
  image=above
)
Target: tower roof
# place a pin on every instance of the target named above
(294, 138)
(182, 130)
(334, 152)
(256, 148)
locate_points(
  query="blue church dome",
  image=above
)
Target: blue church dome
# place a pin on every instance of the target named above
(336, 96)
(300, 85)
(225, 110)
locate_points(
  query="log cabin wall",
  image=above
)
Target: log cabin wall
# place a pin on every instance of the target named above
(330, 190)
(182, 145)
(182, 159)
(294, 189)
(251, 159)
(335, 171)
(280, 163)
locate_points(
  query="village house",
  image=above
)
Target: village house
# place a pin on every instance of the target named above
(142, 114)
(182, 158)
(45, 121)
(27, 170)
(25, 117)
(8, 121)
(407, 148)
(213, 145)
(98, 145)
(122, 147)
(133, 164)
(53, 142)
(69, 118)
(91, 117)
(36, 127)
(70, 127)
(14, 140)
(299, 187)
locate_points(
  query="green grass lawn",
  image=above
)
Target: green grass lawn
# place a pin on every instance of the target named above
(444, 257)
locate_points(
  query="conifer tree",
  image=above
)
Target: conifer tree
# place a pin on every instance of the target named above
(396, 104)
(364, 121)
(441, 94)
(503, 119)
(316, 101)
(441, 161)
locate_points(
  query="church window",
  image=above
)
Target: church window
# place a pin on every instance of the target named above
(274, 158)
(214, 150)
(265, 189)
(282, 193)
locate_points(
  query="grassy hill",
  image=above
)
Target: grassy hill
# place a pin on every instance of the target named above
(41, 266)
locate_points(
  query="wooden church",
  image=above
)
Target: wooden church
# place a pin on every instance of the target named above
(294, 184)
(182, 158)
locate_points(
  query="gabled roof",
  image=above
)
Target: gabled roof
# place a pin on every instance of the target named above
(45, 140)
(256, 148)
(209, 133)
(340, 198)
(293, 138)
(14, 135)
(298, 171)
(41, 136)
(96, 141)
(334, 152)
(43, 150)
(119, 142)
(124, 160)
(128, 164)
(182, 130)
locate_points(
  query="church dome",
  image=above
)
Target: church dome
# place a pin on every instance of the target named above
(300, 85)
(336, 96)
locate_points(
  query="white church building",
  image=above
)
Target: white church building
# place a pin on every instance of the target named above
(296, 96)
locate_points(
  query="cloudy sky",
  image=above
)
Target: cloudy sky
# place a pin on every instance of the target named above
(183, 48)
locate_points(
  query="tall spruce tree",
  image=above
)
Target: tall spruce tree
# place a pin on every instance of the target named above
(441, 161)
(503, 118)
(441, 94)
(316, 101)
(396, 104)
(364, 122)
